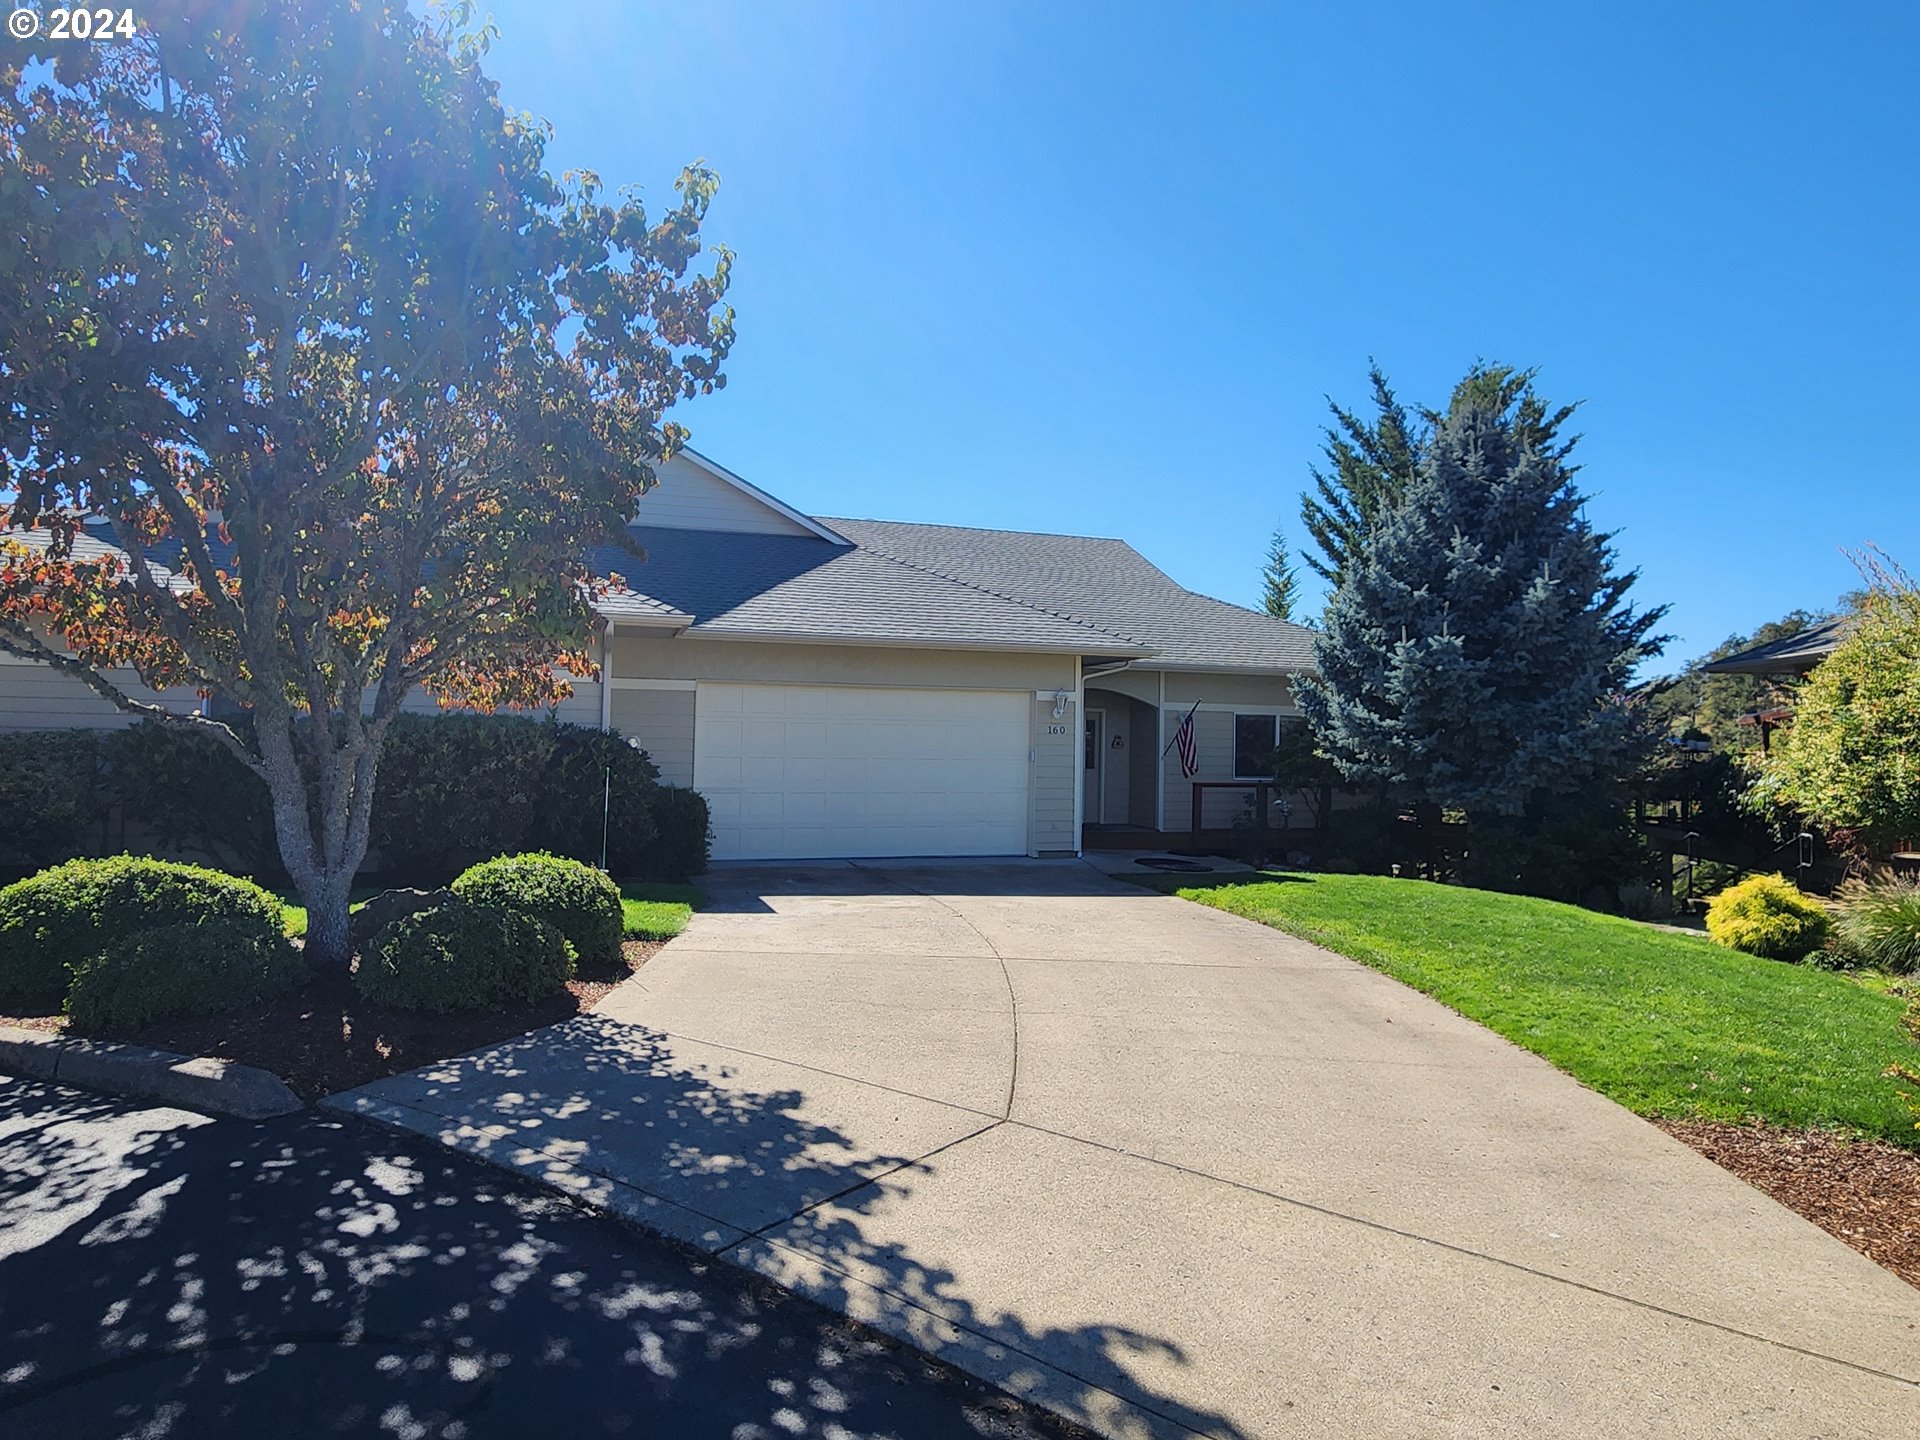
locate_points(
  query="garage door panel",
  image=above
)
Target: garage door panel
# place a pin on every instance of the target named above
(793, 772)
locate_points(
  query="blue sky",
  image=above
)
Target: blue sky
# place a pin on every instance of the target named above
(1095, 268)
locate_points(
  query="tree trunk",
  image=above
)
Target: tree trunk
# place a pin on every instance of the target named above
(323, 840)
(327, 901)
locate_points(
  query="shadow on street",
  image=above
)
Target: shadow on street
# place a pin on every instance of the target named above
(162, 1274)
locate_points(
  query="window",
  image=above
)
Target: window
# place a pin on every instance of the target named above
(1254, 737)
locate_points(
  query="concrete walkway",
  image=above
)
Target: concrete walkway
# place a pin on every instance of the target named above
(1172, 1172)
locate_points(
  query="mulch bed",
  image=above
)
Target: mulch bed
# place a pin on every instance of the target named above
(1863, 1192)
(326, 1038)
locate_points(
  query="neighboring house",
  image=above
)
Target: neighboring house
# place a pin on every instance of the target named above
(873, 688)
(1790, 658)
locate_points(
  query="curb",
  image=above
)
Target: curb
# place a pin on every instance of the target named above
(197, 1082)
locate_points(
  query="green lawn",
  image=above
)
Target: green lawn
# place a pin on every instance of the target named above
(294, 914)
(652, 912)
(1665, 1024)
(659, 912)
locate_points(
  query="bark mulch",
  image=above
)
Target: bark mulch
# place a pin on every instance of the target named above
(1863, 1192)
(325, 1038)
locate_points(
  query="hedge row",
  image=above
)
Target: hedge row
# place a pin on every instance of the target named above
(453, 790)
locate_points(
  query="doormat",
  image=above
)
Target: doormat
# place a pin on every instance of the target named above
(1185, 867)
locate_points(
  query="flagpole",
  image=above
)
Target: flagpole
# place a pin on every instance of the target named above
(1176, 730)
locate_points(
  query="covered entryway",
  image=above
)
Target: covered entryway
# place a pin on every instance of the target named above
(796, 772)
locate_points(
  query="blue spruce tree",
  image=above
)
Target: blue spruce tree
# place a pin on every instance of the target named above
(1475, 653)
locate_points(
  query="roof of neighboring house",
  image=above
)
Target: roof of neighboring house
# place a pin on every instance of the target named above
(1791, 655)
(883, 582)
(1106, 583)
(88, 547)
(741, 585)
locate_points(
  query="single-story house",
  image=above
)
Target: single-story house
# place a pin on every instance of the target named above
(1789, 659)
(840, 687)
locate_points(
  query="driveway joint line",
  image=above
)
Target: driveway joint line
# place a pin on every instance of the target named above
(1013, 1002)
(1469, 1253)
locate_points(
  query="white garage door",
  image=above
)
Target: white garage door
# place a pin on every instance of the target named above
(805, 771)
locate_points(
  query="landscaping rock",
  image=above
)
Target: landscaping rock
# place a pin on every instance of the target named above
(385, 908)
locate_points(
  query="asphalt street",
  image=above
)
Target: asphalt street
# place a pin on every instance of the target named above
(167, 1274)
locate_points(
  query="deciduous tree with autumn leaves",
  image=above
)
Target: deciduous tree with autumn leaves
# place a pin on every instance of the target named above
(292, 311)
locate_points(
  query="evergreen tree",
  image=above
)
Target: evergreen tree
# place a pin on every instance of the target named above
(1475, 655)
(1371, 463)
(1279, 579)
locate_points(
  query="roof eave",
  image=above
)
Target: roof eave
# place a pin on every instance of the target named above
(1211, 667)
(1094, 645)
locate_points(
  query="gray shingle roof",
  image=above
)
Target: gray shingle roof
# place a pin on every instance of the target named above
(1102, 582)
(1791, 655)
(798, 587)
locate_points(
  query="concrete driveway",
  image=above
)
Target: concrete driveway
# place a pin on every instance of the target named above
(1172, 1172)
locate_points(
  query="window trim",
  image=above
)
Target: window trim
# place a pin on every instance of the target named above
(1275, 716)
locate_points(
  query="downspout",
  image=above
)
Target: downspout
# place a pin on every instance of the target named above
(606, 677)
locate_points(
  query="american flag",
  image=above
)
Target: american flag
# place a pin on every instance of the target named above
(1189, 749)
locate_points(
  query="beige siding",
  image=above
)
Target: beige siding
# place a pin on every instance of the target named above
(766, 663)
(1056, 764)
(1137, 684)
(34, 696)
(689, 497)
(1213, 732)
(662, 721)
(1185, 687)
(1254, 692)
(1220, 696)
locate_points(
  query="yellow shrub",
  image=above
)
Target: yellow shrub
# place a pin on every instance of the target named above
(1766, 915)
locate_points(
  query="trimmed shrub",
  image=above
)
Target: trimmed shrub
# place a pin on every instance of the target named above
(575, 899)
(1879, 922)
(50, 796)
(223, 963)
(685, 836)
(462, 956)
(1767, 916)
(578, 798)
(368, 920)
(455, 790)
(61, 921)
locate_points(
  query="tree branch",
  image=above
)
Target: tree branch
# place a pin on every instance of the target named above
(18, 641)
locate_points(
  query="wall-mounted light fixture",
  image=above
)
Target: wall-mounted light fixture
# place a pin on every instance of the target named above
(1060, 699)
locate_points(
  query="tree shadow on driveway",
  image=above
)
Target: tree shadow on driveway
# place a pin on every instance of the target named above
(732, 1152)
(163, 1274)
